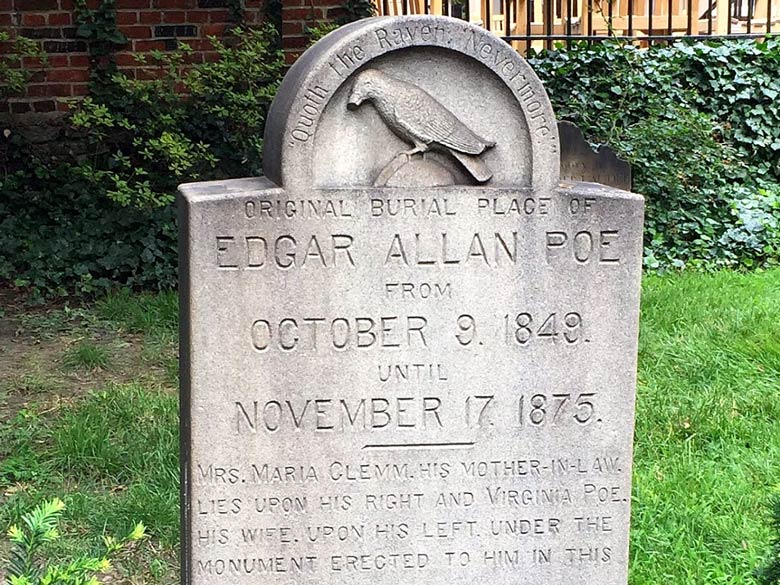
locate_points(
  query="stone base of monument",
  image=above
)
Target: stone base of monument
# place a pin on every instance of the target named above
(408, 368)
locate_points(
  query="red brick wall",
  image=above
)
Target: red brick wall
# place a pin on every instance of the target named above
(147, 24)
(297, 16)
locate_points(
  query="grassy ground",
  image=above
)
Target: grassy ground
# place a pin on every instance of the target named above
(88, 412)
(708, 427)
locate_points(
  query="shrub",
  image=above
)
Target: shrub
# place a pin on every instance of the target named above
(59, 234)
(696, 122)
(89, 224)
(147, 137)
(738, 84)
(753, 239)
(13, 77)
(28, 565)
(699, 123)
(684, 173)
(606, 87)
(320, 30)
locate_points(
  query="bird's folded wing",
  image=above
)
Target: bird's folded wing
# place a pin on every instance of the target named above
(448, 131)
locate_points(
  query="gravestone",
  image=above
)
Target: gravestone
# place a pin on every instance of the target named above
(408, 353)
(579, 162)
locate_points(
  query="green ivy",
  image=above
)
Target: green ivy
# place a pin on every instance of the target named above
(86, 225)
(14, 77)
(738, 83)
(696, 123)
(99, 29)
(273, 14)
(147, 137)
(236, 9)
(60, 234)
(356, 9)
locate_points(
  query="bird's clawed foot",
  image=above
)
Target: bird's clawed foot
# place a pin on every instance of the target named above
(417, 149)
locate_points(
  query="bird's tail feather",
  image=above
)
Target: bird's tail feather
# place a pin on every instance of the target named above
(475, 166)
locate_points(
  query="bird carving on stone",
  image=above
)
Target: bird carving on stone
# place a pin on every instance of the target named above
(419, 119)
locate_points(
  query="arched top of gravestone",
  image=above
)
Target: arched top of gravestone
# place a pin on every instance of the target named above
(411, 101)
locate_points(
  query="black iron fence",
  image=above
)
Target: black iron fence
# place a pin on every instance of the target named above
(540, 23)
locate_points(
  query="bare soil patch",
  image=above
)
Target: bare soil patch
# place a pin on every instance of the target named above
(34, 358)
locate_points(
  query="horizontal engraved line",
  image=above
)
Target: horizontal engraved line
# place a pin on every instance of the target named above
(395, 446)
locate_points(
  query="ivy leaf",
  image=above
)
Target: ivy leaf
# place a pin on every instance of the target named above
(85, 30)
(117, 38)
(770, 92)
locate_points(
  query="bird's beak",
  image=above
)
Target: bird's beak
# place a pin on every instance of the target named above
(355, 99)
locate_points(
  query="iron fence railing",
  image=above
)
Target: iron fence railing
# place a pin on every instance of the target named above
(541, 23)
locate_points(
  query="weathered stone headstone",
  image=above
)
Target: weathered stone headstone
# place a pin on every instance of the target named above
(408, 354)
(579, 162)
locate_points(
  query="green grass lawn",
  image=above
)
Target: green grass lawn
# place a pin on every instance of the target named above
(707, 453)
(707, 441)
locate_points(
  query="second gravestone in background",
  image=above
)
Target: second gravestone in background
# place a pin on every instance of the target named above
(408, 353)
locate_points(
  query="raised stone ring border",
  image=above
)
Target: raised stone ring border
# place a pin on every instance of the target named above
(318, 74)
